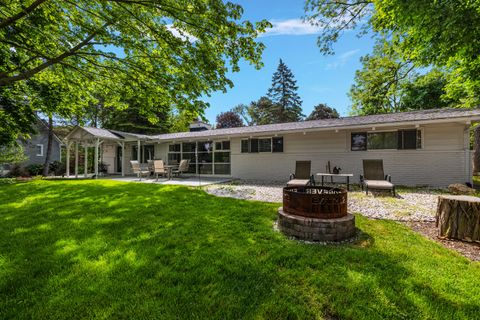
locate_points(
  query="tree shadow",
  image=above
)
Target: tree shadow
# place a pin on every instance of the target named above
(122, 250)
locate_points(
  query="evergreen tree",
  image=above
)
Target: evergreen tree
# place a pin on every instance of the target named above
(283, 93)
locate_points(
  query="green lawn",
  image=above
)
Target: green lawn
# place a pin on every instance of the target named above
(104, 249)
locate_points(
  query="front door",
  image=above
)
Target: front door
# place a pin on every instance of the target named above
(118, 159)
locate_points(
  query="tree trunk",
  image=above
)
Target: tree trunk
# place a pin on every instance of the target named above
(476, 150)
(48, 155)
(458, 217)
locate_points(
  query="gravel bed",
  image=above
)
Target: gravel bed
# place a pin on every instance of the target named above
(409, 205)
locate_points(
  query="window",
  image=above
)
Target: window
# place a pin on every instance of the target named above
(265, 145)
(401, 140)
(174, 147)
(359, 141)
(222, 145)
(382, 140)
(277, 144)
(39, 149)
(245, 145)
(409, 139)
(147, 152)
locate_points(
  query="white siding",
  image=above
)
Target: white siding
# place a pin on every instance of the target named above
(441, 161)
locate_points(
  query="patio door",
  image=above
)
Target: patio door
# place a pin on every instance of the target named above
(118, 159)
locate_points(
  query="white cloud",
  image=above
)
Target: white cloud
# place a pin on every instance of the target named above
(342, 59)
(293, 27)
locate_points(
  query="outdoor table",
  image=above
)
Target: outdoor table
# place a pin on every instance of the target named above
(346, 175)
(169, 168)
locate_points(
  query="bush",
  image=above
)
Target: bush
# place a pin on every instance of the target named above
(57, 168)
(7, 180)
(17, 170)
(34, 169)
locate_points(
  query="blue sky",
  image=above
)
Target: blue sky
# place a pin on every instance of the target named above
(320, 78)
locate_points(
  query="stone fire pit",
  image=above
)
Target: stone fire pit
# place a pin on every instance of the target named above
(316, 214)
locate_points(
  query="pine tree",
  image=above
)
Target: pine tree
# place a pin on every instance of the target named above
(283, 93)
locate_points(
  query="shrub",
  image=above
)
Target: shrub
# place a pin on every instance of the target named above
(57, 168)
(34, 169)
(16, 170)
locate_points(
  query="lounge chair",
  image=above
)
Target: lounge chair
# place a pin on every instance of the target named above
(182, 167)
(373, 177)
(302, 175)
(159, 168)
(138, 170)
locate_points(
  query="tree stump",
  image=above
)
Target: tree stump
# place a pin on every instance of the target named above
(458, 217)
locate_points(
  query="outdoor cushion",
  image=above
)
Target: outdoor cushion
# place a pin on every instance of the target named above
(378, 184)
(298, 182)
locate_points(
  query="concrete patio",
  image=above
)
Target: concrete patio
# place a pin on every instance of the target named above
(186, 181)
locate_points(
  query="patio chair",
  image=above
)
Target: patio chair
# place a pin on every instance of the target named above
(159, 168)
(374, 178)
(182, 167)
(302, 175)
(139, 171)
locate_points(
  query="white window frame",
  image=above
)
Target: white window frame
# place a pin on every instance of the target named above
(41, 150)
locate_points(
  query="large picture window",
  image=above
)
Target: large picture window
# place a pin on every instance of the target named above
(401, 140)
(206, 157)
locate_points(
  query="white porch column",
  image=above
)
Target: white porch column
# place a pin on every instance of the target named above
(76, 159)
(138, 152)
(123, 159)
(95, 162)
(86, 161)
(67, 164)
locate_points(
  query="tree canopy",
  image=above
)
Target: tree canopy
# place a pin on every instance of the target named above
(323, 111)
(443, 34)
(229, 119)
(170, 52)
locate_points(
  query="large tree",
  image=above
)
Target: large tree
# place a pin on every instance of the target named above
(229, 119)
(378, 85)
(323, 111)
(387, 84)
(283, 94)
(170, 52)
(428, 33)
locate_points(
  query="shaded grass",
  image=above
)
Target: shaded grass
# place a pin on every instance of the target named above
(105, 249)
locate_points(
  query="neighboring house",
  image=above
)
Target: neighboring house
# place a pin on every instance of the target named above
(430, 147)
(36, 146)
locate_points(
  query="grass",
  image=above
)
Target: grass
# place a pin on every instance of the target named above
(105, 249)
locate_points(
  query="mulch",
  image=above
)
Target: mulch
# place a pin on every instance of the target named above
(471, 250)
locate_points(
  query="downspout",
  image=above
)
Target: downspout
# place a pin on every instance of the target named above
(468, 155)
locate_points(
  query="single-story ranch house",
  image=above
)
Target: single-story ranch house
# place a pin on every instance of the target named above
(429, 147)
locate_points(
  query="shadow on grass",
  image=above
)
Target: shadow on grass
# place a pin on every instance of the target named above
(104, 249)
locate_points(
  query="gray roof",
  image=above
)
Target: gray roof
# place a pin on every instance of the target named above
(414, 117)
(102, 133)
(356, 121)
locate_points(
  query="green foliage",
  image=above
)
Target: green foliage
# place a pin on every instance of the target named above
(387, 84)
(134, 119)
(427, 91)
(106, 249)
(12, 153)
(287, 105)
(378, 85)
(169, 53)
(323, 111)
(443, 34)
(16, 116)
(34, 169)
(228, 119)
